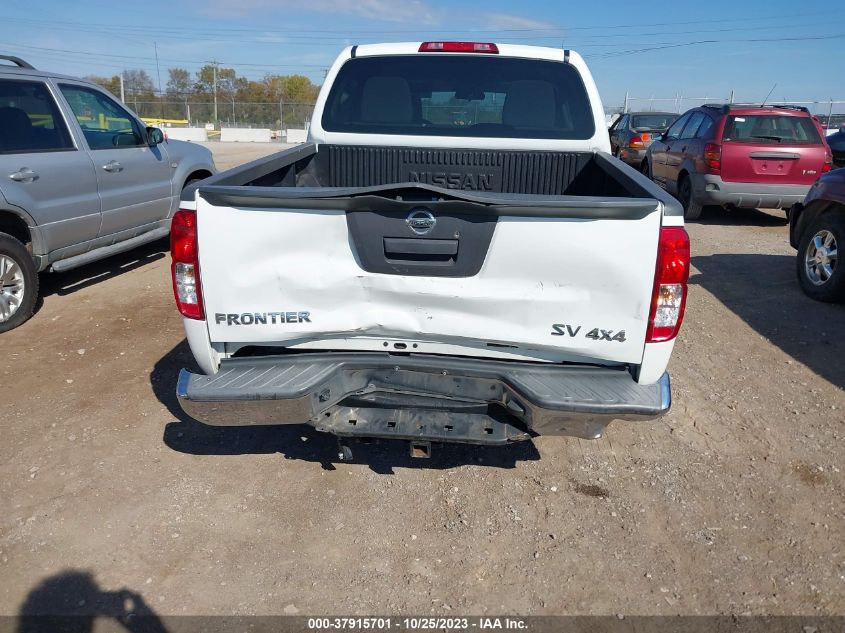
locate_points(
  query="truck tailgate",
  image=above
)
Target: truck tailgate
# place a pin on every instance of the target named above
(575, 287)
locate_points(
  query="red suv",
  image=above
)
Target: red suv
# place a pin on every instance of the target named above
(739, 155)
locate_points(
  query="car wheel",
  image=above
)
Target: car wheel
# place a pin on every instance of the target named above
(820, 273)
(18, 283)
(645, 169)
(692, 209)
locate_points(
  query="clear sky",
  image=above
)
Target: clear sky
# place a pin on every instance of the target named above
(649, 49)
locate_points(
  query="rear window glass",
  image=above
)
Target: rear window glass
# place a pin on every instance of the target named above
(652, 122)
(771, 128)
(451, 95)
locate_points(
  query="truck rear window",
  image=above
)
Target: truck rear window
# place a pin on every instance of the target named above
(771, 128)
(459, 95)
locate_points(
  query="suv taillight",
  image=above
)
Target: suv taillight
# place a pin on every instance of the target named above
(669, 297)
(828, 161)
(185, 267)
(713, 156)
(637, 142)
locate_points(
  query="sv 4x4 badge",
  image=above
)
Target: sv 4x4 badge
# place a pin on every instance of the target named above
(597, 334)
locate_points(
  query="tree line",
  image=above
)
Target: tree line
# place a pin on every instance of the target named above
(274, 100)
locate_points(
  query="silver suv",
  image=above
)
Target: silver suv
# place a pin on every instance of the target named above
(81, 178)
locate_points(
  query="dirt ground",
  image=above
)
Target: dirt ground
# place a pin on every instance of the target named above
(731, 504)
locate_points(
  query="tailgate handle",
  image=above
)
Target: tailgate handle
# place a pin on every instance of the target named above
(776, 155)
(420, 251)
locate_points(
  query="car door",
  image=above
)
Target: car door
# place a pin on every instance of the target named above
(677, 149)
(660, 148)
(616, 131)
(44, 170)
(133, 179)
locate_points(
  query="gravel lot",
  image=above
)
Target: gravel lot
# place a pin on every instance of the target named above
(731, 504)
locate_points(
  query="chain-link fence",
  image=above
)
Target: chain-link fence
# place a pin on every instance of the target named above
(229, 113)
(830, 112)
(281, 115)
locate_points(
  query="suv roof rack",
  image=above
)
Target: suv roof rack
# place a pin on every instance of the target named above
(727, 107)
(17, 61)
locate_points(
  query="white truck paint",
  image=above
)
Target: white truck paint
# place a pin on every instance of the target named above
(566, 282)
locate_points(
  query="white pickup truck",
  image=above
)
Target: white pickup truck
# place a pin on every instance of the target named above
(453, 256)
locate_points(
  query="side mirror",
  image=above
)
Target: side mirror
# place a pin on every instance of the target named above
(154, 136)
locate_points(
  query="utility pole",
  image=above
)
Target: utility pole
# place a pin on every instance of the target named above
(158, 72)
(233, 110)
(122, 91)
(625, 107)
(214, 89)
(731, 100)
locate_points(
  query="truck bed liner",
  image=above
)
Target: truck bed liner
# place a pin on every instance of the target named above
(524, 181)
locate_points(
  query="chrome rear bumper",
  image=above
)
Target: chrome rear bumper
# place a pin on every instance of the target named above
(420, 397)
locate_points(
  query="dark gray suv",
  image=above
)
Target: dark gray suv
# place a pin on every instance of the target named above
(633, 132)
(81, 178)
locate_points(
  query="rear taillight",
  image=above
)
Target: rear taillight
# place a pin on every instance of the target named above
(713, 156)
(828, 161)
(185, 267)
(637, 142)
(459, 47)
(669, 297)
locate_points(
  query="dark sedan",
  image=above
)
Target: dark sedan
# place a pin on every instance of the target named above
(817, 230)
(837, 146)
(633, 132)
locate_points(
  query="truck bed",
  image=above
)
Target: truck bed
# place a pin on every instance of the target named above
(485, 176)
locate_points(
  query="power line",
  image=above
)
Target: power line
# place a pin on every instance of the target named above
(306, 32)
(699, 42)
(659, 46)
(153, 59)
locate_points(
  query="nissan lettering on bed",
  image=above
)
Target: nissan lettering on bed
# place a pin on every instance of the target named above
(454, 180)
(483, 270)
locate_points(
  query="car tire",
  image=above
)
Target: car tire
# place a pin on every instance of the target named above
(18, 283)
(692, 208)
(645, 170)
(822, 277)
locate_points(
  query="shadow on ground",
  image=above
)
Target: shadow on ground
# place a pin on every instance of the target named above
(69, 282)
(763, 291)
(71, 601)
(303, 442)
(719, 216)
